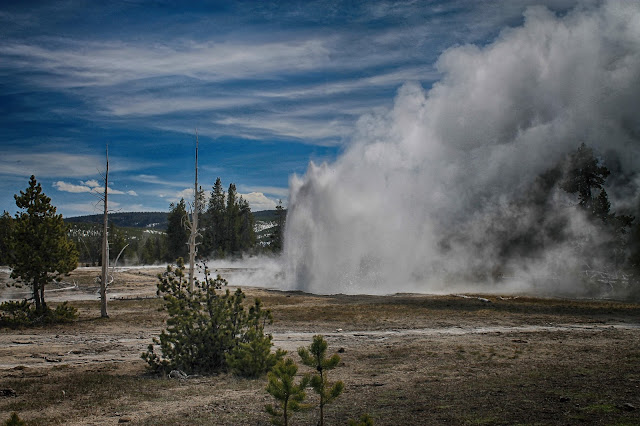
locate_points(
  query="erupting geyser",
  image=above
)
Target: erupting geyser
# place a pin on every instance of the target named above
(424, 195)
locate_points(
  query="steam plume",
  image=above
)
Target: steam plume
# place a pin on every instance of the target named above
(414, 202)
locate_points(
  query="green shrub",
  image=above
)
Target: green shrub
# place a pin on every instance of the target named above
(64, 313)
(14, 313)
(207, 329)
(23, 313)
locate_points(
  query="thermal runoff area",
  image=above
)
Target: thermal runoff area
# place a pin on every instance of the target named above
(466, 185)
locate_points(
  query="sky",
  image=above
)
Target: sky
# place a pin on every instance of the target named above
(269, 86)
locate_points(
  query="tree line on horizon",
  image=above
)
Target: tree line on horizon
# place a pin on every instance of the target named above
(226, 229)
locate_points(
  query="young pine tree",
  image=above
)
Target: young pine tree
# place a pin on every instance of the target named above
(205, 325)
(288, 395)
(252, 356)
(315, 357)
(42, 252)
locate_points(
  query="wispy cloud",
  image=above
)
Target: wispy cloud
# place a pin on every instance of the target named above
(49, 164)
(77, 64)
(89, 187)
(155, 180)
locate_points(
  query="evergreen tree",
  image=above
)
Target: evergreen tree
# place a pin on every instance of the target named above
(288, 395)
(6, 229)
(214, 222)
(245, 223)
(232, 213)
(252, 356)
(147, 253)
(601, 207)
(205, 325)
(315, 357)
(277, 238)
(177, 234)
(582, 175)
(42, 251)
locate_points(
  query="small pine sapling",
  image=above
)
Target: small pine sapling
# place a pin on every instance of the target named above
(315, 357)
(206, 325)
(288, 395)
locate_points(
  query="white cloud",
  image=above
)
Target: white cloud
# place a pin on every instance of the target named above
(77, 64)
(258, 201)
(69, 187)
(88, 186)
(91, 183)
(174, 197)
(132, 193)
(144, 105)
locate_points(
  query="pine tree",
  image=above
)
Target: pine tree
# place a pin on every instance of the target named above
(246, 233)
(277, 238)
(206, 325)
(583, 174)
(601, 207)
(214, 221)
(42, 251)
(288, 395)
(252, 356)
(177, 234)
(231, 213)
(315, 357)
(6, 229)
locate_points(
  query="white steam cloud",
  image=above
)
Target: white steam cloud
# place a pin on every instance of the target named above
(449, 160)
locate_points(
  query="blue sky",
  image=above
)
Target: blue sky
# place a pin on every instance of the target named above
(269, 85)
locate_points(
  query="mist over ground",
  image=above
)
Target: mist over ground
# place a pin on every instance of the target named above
(435, 194)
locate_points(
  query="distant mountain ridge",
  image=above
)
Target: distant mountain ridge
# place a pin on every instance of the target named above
(150, 220)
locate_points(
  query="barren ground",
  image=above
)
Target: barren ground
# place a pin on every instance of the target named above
(406, 359)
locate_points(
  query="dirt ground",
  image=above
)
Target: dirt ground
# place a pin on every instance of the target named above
(406, 360)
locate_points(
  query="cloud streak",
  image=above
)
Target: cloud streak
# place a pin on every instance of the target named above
(91, 186)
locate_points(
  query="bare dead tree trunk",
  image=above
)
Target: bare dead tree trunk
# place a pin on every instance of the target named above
(193, 225)
(105, 247)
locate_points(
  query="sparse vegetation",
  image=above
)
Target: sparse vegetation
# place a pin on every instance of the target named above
(404, 370)
(207, 328)
(23, 314)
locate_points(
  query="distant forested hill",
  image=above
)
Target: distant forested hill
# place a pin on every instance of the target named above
(152, 220)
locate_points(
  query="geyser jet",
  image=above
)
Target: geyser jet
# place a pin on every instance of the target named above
(421, 197)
